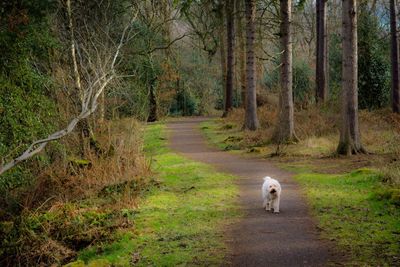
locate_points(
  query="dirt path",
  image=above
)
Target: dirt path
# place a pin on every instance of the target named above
(259, 239)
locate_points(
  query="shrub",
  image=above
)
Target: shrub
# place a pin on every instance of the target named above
(184, 103)
(335, 66)
(373, 62)
(27, 109)
(302, 82)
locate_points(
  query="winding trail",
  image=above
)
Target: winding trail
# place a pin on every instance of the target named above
(289, 238)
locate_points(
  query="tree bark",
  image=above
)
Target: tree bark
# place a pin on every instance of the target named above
(350, 142)
(83, 125)
(223, 56)
(230, 64)
(73, 51)
(394, 57)
(102, 107)
(241, 53)
(153, 114)
(321, 76)
(166, 30)
(251, 120)
(284, 131)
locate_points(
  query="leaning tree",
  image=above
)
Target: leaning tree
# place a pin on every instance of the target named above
(95, 58)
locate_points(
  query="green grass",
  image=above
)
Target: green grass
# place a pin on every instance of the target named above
(223, 136)
(211, 130)
(180, 220)
(351, 212)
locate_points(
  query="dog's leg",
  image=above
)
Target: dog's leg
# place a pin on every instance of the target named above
(272, 205)
(276, 204)
(265, 203)
(268, 206)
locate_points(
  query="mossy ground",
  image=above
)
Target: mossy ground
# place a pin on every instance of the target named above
(180, 219)
(354, 207)
(353, 211)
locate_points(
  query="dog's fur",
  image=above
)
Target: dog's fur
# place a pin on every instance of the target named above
(271, 194)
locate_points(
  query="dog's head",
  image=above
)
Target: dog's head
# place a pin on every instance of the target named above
(273, 189)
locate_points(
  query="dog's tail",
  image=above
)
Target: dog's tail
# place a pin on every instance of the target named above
(267, 178)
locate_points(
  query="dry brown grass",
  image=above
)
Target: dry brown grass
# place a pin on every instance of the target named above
(124, 160)
(391, 169)
(54, 223)
(318, 131)
(378, 128)
(315, 122)
(391, 173)
(309, 123)
(121, 160)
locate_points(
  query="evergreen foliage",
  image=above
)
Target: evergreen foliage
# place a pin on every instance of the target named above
(373, 61)
(27, 109)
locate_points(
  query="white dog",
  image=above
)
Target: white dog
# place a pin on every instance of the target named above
(271, 194)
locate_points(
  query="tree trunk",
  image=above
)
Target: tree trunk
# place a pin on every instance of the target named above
(394, 57)
(321, 93)
(350, 142)
(284, 131)
(153, 116)
(241, 53)
(166, 29)
(102, 107)
(83, 125)
(251, 120)
(230, 66)
(222, 56)
(77, 77)
(373, 6)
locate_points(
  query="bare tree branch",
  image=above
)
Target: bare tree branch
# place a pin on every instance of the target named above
(102, 68)
(167, 45)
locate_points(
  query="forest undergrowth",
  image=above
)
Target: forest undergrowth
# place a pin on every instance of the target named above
(355, 199)
(76, 204)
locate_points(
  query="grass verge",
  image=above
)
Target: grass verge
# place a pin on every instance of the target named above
(180, 219)
(217, 135)
(355, 209)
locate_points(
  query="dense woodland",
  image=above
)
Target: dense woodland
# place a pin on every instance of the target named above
(80, 78)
